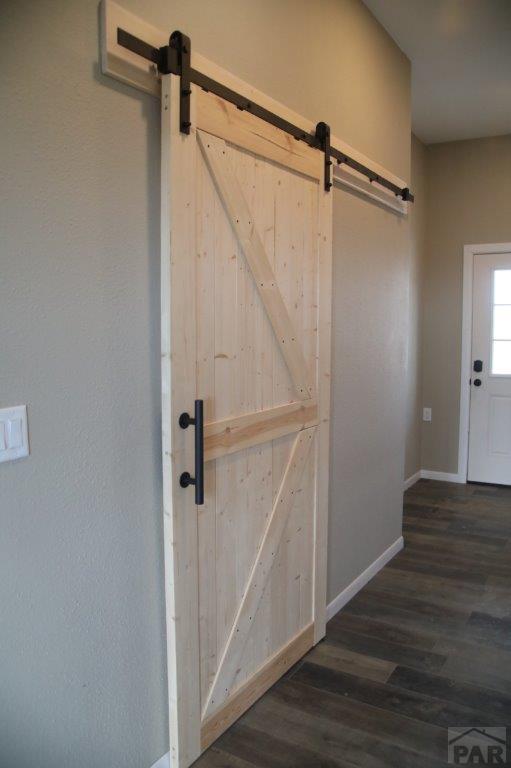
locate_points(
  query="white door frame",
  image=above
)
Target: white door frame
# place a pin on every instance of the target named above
(469, 252)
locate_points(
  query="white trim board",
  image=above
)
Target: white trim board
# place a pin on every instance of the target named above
(446, 477)
(469, 251)
(163, 762)
(432, 474)
(128, 67)
(345, 178)
(411, 480)
(357, 584)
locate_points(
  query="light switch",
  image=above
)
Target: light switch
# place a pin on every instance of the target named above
(15, 436)
(13, 433)
(426, 414)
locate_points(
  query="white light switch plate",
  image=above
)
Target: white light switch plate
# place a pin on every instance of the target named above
(13, 433)
(426, 414)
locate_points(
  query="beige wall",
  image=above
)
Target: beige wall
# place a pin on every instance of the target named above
(469, 201)
(82, 648)
(417, 255)
(369, 348)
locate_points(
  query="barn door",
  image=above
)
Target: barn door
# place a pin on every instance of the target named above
(246, 261)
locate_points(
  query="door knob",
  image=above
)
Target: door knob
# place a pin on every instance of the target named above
(477, 382)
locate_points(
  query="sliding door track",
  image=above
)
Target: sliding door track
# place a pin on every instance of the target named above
(175, 59)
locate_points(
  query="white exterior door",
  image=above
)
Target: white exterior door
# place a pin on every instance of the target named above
(490, 401)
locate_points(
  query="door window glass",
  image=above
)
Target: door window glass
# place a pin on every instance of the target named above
(501, 336)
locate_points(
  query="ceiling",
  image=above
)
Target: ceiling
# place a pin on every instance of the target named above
(461, 64)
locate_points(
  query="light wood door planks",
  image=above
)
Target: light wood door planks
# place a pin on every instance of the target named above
(246, 259)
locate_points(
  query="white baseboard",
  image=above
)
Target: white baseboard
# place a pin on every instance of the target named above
(163, 762)
(431, 474)
(447, 477)
(357, 584)
(412, 480)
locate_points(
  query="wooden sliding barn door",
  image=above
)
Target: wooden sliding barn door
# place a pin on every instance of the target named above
(246, 286)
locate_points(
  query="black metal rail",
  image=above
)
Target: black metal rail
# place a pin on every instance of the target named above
(175, 59)
(185, 420)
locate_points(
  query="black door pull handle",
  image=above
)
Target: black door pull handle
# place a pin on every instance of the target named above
(477, 382)
(185, 420)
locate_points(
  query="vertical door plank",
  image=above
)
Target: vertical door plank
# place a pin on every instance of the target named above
(250, 313)
(324, 302)
(305, 553)
(178, 382)
(282, 588)
(205, 217)
(229, 470)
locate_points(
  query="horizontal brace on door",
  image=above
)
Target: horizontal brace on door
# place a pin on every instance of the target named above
(240, 432)
(169, 59)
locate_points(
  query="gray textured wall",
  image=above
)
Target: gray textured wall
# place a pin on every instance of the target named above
(368, 393)
(82, 650)
(469, 193)
(82, 660)
(416, 261)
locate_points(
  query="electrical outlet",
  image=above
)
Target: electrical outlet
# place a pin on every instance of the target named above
(426, 414)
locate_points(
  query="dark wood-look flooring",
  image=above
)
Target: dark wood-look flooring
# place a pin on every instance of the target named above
(425, 645)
